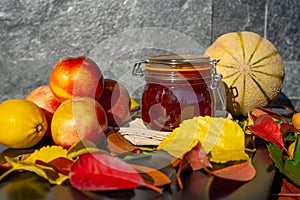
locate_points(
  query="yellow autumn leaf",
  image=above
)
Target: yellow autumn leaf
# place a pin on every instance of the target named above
(182, 139)
(209, 130)
(231, 143)
(223, 138)
(133, 104)
(43, 171)
(247, 123)
(47, 154)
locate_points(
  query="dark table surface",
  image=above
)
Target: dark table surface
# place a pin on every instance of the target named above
(197, 185)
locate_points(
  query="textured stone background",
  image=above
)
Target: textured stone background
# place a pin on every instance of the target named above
(35, 34)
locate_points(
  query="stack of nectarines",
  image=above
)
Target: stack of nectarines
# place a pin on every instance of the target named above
(80, 103)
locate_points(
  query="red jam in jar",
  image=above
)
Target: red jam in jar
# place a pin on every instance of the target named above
(177, 88)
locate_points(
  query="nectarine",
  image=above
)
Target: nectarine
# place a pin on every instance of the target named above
(116, 102)
(79, 76)
(76, 119)
(44, 98)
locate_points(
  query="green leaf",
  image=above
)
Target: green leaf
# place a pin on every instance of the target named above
(133, 156)
(297, 151)
(290, 136)
(287, 167)
(293, 171)
(276, 154)
(46, 172)
(83, 147)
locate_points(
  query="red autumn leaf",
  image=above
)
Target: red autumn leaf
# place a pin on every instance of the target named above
(288, 189)
(257, 112)
(61, 165)
(101, 172)
(262, 111)
(195, 158)
(266, 128)
(286, 127)
(238, 172)
(152, 176)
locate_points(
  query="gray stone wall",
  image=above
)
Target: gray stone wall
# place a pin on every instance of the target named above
(36, 34)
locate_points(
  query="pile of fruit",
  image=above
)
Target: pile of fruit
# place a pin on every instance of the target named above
(79, 108)
(79, 103)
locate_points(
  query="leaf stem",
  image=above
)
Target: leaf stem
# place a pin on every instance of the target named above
(157, 189)
(286, 195)
(250, 150)
(6, 173)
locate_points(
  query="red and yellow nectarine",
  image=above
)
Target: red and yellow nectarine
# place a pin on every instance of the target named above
(116, 102)
(79, 76)
(44, 98)
(76, 119)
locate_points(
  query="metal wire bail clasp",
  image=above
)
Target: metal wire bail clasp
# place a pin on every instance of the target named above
(218, 88)
(215, 77)
(137, 68)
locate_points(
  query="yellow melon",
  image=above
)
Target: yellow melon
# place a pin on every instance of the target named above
(251, 67)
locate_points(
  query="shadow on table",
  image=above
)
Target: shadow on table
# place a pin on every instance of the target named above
(283, 100)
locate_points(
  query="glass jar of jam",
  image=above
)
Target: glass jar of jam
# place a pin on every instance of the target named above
(178, 87)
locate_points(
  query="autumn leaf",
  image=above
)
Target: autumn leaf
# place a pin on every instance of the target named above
(285, 128)
(101, 172)
(83, 147)
(14, 153)
(237, 172)
(61, 165)
(296, 153)
(222, 138)
(21, 157)
(266, 128)
(263, 111)
(43, 163)
(54, 157)
(152, 176)
(46, 172)
(46, 154)
(195, 159)
(181, 140)
(288, 190)
(134, 156)
(117, 144)
(287, 167)
(230, 145)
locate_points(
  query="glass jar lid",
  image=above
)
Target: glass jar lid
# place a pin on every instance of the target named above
(178, 63)
(175, 59)
(175, 62)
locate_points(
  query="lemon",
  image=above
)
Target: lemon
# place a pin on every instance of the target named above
(22, 123)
